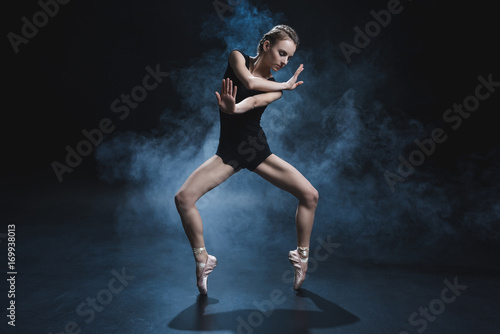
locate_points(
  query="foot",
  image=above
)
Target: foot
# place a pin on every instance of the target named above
(299, 259)
(205, 263)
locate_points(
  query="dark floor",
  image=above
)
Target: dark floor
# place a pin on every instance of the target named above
(75, 273)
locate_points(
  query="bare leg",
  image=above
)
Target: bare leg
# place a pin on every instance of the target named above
(206, 177)
(285, 176)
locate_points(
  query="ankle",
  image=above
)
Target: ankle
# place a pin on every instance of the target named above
(303, 251)
(200, 254)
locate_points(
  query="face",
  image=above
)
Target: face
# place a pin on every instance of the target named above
(279, 54)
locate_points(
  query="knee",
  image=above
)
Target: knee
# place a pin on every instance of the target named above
(183, 199)
(310, 197)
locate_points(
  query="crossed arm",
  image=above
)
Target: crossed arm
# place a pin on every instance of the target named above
(237, 63)
(226, 99)
(256, 101)
(273, 89)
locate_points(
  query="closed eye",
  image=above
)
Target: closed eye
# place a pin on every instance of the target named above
(283, 53)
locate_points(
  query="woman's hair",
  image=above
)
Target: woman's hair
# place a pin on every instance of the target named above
(278, 33)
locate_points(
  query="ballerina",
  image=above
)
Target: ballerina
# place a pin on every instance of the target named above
(247, 89)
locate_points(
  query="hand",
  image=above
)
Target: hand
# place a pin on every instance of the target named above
(292, 84)
(226, 99)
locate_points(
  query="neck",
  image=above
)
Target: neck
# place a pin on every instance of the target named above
(259, 68)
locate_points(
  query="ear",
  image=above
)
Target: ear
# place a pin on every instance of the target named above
(267, 45)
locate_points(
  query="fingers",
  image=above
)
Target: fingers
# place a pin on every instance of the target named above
(218, 97)
(235, 90)
(299, 70)
(227, 87)
(297, 84)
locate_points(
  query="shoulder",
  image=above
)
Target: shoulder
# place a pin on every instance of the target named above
(237, 59)
(234, 54)
(238, 50)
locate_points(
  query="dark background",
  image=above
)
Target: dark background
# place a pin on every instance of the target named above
(65, 78)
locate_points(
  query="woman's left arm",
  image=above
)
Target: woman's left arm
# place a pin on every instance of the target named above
(256, 101)
(226, 99)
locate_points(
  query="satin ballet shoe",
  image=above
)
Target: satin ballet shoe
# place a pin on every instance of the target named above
(300, 267)
(208, 267)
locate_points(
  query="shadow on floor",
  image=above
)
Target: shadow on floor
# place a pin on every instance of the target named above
(248, 321)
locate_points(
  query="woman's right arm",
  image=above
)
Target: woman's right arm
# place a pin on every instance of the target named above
(237, 62)
(256, 101)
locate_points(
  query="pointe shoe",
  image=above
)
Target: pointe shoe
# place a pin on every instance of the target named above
(208, 266)
(300, 268)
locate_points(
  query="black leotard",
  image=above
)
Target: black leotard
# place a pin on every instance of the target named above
(242, 141)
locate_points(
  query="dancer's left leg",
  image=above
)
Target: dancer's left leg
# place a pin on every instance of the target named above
(283, 175)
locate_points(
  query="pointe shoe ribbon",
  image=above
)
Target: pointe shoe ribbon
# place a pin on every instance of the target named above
(207, 269)
(300, 268)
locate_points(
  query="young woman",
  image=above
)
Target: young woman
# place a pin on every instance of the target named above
(243, 144)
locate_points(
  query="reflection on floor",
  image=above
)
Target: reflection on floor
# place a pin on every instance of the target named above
(76, 275)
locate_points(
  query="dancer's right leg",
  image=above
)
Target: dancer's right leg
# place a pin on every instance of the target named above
(206, 177)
